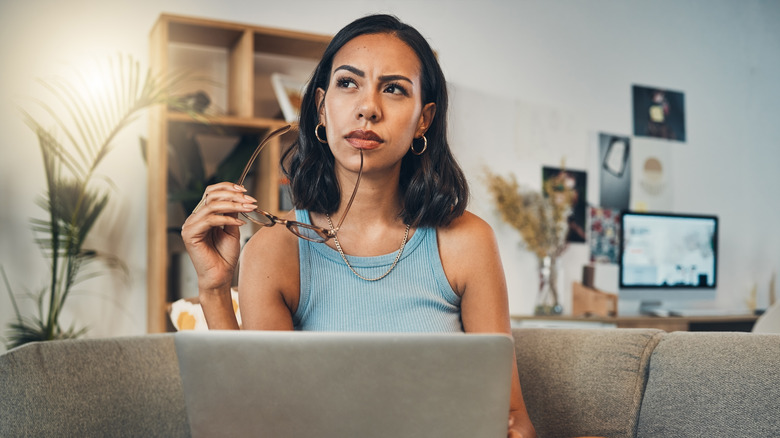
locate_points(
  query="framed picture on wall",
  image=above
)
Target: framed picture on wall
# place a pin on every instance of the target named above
(577, 181)
(614, 171)
(659, 113)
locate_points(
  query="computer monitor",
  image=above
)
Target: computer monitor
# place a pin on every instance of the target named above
(667, 259)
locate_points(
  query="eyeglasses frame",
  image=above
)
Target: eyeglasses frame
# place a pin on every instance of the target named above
(324, 233)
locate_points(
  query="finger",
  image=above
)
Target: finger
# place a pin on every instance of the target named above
(226, 195)
(511, 433)
(194, 230)
(225, 186)
(225, 207)
(223, 191)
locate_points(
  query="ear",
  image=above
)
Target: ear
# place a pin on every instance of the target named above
(319, 97)
(426, 118)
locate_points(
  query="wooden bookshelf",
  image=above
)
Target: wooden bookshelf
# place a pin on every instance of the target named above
(241, 56)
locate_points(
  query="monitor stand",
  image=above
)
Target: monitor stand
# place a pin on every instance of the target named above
(652, 308)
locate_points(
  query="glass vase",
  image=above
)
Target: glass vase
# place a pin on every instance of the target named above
(547, 299)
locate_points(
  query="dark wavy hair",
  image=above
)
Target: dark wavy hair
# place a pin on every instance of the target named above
(433, 187)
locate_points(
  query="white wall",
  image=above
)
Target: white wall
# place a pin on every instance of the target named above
(573, 60)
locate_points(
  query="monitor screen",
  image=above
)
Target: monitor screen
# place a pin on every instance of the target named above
(663, 250)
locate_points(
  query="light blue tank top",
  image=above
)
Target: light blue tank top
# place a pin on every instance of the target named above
(414, 297)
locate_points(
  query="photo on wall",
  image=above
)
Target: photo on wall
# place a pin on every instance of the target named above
(604, 234)
(659, 113)
(651, 185)
(614, 171)
(575, 180)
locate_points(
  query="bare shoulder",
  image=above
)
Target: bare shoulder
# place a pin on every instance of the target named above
(466, 247)
(466, 230)
(271, 246)
(268, 271)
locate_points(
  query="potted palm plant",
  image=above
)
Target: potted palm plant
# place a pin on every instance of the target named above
(85, 126)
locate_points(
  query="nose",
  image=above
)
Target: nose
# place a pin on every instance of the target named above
(369, 108)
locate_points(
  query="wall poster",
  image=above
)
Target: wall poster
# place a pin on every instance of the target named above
(577, 181)
(651, 184)
(659, 113)
(614, 170)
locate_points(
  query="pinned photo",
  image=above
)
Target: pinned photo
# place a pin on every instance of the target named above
(659, 113)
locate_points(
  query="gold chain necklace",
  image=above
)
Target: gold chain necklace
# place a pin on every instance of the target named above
(344, 257)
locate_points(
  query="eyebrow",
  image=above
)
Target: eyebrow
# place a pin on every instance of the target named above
(362, 74)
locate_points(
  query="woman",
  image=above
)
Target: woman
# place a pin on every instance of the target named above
(405, 255)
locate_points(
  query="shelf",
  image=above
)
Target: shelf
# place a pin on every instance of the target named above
(243, 123)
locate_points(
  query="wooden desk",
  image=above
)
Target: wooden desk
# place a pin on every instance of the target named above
(715, 323)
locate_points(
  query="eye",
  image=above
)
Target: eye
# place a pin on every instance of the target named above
(395, 88)
(345, 83)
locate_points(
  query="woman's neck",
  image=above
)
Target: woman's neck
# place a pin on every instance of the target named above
(373, 225)
(378, 201)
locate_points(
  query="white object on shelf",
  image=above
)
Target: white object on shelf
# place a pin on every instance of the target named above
(289, 91)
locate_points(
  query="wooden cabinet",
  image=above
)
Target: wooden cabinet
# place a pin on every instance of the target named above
(232, 63)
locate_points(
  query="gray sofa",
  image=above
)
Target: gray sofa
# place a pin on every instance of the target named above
(605, 382)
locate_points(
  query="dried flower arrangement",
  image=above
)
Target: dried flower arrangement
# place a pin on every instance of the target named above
(540, 217)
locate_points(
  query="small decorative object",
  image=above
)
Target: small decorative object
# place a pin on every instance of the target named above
(289, 92)
(196, 102)
(751, 300)
(187, 313)
(589, 301)
(541, 219)
(547, 299)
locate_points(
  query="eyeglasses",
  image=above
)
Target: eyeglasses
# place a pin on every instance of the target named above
(263, 218)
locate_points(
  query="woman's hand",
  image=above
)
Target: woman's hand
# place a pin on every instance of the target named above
(517, 429)
(211, 234)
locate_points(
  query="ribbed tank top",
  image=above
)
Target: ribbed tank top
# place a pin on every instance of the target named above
(414, 297)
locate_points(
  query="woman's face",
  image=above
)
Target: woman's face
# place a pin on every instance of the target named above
(374, 102)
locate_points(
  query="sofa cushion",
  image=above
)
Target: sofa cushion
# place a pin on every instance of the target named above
(93, 387)
(713, 384)
(583, 381)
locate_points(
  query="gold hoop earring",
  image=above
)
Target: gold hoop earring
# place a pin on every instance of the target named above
(317, 133)
(425, 146)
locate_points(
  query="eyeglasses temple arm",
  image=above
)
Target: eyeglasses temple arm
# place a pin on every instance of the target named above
(259, 148)
(354, 192)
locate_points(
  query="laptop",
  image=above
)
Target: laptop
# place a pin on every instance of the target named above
(329, 385)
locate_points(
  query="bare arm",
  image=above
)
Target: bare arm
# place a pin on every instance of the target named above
(473, 265)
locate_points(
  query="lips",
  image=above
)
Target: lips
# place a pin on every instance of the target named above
(364, 139)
